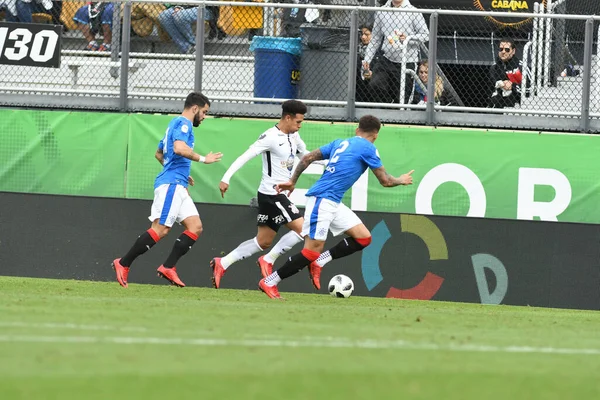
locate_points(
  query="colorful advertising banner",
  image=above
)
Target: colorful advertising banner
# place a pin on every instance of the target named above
(460, 172)
(417, 257)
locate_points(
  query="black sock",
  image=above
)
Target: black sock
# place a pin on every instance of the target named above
(296, 263)
(182, 245)
(344, 248)
(143, 243)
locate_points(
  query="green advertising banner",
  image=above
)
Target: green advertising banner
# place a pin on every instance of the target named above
(493, 174)
(78, 153)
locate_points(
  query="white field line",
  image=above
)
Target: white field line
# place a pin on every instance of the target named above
(346, 344)
(67, 325)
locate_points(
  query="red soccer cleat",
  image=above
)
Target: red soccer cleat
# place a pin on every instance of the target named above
(266, 268)
(218, 271)
(122, 272)
(170, 274)
(315, 274)
(270, 291)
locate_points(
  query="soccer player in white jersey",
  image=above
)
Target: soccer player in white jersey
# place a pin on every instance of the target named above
(348, 160)
(172, 202)
(279, 146)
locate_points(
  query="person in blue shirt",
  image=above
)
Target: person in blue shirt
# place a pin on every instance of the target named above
(348, 160)
(172, 202)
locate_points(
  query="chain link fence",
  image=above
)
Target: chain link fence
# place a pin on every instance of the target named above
(495, 63)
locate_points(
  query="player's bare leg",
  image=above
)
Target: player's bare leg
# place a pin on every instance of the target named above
(183, 244)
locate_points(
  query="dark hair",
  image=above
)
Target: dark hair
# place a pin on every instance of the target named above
(293, 107)
(366, 26)
(196, 99)
(369, 124)
(509, 41)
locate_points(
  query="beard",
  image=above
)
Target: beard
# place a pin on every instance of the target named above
(196, 121)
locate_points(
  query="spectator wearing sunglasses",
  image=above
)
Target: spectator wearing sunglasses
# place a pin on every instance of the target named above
(506, 76)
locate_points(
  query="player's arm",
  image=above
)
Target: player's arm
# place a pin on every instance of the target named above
(387, 180)
(160, 156)
(303, 151)
(308, 159)
(182, 149)
(248, 155)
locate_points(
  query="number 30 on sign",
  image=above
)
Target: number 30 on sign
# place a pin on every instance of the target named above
(35, 45)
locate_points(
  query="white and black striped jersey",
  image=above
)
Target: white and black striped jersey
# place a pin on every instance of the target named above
(279, 151)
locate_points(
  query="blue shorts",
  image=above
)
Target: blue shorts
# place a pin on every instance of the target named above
(82, 15)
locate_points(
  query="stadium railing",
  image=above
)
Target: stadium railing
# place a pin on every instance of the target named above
(147, 72)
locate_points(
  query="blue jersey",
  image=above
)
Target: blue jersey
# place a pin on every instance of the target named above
(348, 160)
(176, 169)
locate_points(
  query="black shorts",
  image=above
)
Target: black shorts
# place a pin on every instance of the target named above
(276, 210)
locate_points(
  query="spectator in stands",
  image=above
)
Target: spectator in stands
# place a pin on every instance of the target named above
(363, 77)
(213, 22)
(144, 17)
(93, 17)
(177, 21)
(506, 76)
(390, 32)
(420, 91)
(23, 10)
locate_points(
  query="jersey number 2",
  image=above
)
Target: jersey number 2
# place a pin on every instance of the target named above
(343, 146)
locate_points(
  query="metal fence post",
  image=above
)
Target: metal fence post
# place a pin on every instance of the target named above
(584, 125)
(432, 74)
(352, 66)
(199, 48)
(125, 46)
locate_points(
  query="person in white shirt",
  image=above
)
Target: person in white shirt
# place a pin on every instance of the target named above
(279, 147)
(390, 32)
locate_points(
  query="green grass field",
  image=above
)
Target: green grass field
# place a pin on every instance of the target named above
(90, 340)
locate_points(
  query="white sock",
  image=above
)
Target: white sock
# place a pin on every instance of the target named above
(284, 245)
(324, 258)
(273, 279)
(244, 250)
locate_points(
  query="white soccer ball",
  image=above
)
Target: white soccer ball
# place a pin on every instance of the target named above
(341, 286)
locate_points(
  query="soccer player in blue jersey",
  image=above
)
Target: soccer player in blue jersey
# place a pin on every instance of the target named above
(172, 202)
(348, 160)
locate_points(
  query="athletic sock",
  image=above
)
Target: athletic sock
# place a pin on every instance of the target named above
(182, 245)
(344, 248)
(143, 243)
(284, 245)
(296, 263)
(324, 258)
(244, 250)
(273, 279)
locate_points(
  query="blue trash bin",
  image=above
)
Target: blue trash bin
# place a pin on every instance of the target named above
(276, 66)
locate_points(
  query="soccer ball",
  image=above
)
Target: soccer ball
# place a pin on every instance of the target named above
(341, 286)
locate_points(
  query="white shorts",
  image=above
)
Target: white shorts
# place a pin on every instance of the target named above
(321, 215)
(172, 203)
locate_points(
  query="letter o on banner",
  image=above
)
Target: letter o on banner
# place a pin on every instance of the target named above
(451, 172)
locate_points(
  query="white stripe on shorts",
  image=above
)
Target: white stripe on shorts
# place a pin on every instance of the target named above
(283, 211)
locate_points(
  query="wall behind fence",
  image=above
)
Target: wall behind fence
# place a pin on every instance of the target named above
(495, 174)
(413, 257)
